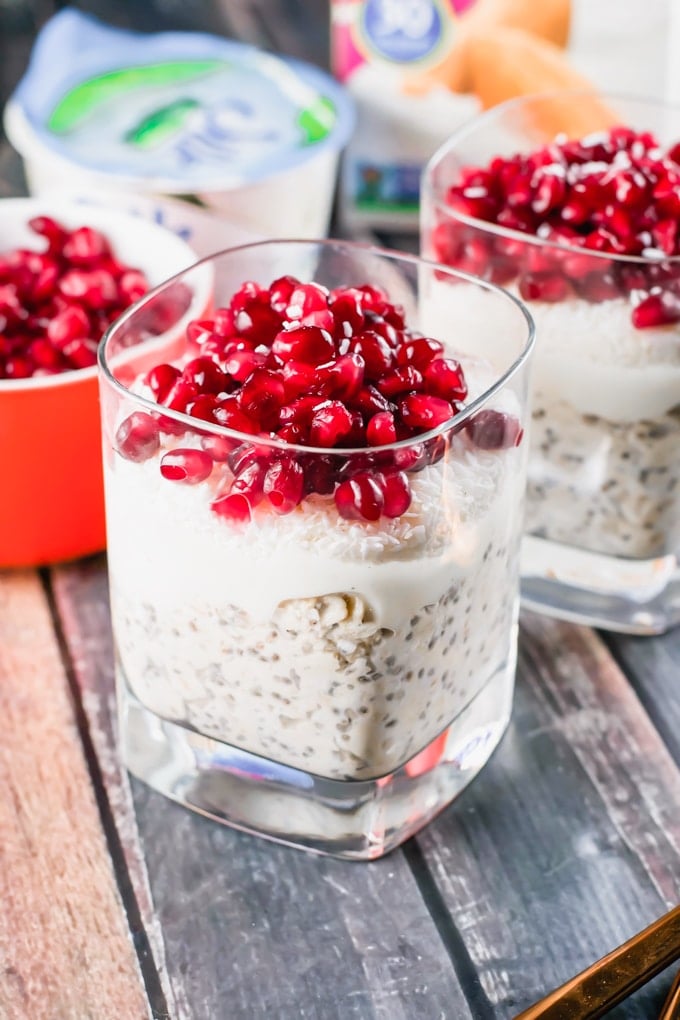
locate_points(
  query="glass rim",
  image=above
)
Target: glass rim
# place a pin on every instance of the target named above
(479, 122)
(213, 428)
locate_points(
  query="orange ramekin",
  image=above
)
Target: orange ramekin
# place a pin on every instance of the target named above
(51, 485)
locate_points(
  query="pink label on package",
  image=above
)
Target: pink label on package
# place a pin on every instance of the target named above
(400, 32)
(378, 48)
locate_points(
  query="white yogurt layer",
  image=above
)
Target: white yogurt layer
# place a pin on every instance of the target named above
(587, 354)
(339, 647)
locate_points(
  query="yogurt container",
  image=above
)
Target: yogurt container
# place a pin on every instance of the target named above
(218, 140)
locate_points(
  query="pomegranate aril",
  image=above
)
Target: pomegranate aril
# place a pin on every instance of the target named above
(596, 287)
(10, 302)
(279, 293)
(543, 287)
(181, 393)
(376, 353)
(70, 324)
(245, 454)
(298, 377)
(240, 364)
(48, 228)
(257, 320)
(261, 396)
(330, 424)
(403, 380)
(419, 352)
(308, 344)
(396, 493)
(444, 377)
(294, 433)
(200, 330)
(93, 287)
(656, 310)
(186, 465)
(424, 411)
(300, 411)
(234, 507)
(370, 401)
(284, 485)
(17, 367)
(359, 498)
(494, 430)
(381, 430)
(229, 414)
(205, 375)
(347, 309)
(43, 355)
(85, 246)
(548, 193)
(249, 482)
(341, 378)
(160, 380)
(219, 447)
(304, 299)
(138, 437)
(132, 285)
(45, 283)
(321, 473)
(203, 407)
(81, 353)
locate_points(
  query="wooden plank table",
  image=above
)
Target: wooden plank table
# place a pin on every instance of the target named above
(118, 904)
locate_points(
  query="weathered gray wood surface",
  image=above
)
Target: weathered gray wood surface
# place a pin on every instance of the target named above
(567, 844)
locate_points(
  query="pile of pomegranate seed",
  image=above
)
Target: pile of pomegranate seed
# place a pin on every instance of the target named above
(332, 369)
(56, 304)
(615, 193)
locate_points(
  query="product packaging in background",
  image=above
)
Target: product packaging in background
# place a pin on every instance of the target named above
(419, 69)
(209, 136)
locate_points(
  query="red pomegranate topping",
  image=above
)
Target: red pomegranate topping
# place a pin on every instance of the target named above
(360, 498)
(284, 485)
(617, 192)
(396, 493)
(138, 437)
(493, 430)
(190, 466)
(56, 304)
(336, 370)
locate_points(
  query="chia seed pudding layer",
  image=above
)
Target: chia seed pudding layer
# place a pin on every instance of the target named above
(605, 431)
(338, 647)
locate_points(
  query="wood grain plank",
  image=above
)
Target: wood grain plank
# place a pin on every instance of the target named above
(249, 929)
(653, 667)
(569, 841)
(65, 949)
(254, 930)
(81, 598)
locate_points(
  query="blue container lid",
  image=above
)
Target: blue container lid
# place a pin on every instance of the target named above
(175, 111)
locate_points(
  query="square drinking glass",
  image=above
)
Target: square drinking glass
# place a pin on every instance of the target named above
(313, 643)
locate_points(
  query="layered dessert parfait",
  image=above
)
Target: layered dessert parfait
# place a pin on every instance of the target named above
(314, 520)
(585, 232)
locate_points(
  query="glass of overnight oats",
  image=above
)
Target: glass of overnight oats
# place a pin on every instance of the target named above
(314, 496)
(572, 203)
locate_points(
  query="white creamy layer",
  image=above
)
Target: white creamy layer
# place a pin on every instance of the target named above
(587, 354)
(161, 531)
